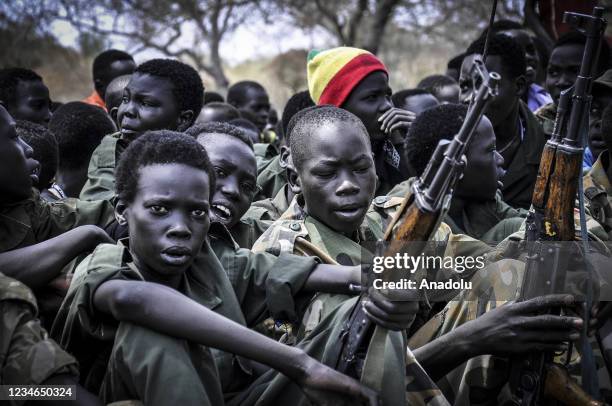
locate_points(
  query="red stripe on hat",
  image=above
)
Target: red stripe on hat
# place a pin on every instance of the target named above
(343, 82)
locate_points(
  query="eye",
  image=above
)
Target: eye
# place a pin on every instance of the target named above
(220, 172)
(125, 99)
(324, 175)
(158, 210)
(362, 169)
(199, 213)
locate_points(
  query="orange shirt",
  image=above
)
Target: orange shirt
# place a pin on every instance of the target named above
(95, 99)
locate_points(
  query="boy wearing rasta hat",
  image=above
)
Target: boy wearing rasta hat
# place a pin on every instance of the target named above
(357, 81)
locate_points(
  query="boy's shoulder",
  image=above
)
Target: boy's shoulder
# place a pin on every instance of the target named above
(105, 154)
(12, 289)
(281, 236)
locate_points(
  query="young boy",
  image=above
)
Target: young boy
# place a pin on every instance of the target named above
(79, 128)
(114, 95)
(415, 100)
(39, 239)
(45, 151)
(271, 176)
(252, 101)
(357, 81)
(217, 111)
(476, 207)
(145, 332)
(444, 88)
(519, 137)
(231, 154)
(162, 94)
(25, 95)
(107, 66)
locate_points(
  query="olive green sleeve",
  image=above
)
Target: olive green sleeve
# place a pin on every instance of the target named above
(100, 184)
(267, 285)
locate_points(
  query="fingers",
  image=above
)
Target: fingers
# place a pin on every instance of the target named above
(551, 322)
(389, 325)
(541, 303)
(397, 118)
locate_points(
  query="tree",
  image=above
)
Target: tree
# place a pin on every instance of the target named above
(184, 29)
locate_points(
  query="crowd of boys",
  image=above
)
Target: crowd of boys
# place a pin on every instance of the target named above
(161, 244)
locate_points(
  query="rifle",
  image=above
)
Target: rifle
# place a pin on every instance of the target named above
(420, 213)
(551, 219)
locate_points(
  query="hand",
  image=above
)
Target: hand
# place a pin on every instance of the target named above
(396, 119)
(394, 310)
(600, 313)
(517, 328)
(327, 387)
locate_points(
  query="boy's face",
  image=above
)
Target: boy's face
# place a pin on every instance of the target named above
(419, 103)
(148, 104)
(18, 170)
(509, 90)
(338, 177)
(531, 55)
(32, 102)
(116, 69)
(481, 177)
(236, 177)
(601, 99)
(448, 94)
(256, 107)
(369, 100)
(563, 68)
(168, 219)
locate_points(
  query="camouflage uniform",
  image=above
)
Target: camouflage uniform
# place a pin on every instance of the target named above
(248, 230)
(35, 220)
(270, 179)
(323, 323)
(269, 209)
(100, 183)
(598, 193)
(27, 355)
(264, 153)
(546, 116)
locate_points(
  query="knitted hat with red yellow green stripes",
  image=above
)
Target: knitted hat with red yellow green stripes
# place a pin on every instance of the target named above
(334, 73)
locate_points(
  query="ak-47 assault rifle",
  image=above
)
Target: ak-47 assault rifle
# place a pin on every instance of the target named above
(420, 214)
(550, 224)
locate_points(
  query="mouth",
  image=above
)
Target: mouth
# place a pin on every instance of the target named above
(128, 132)
(34, 167)
(176, 255)
(349, 211)
(222, 213)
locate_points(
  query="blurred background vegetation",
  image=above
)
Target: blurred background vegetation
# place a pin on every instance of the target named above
(220, 38)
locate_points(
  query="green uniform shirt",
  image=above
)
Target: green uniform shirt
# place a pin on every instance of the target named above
(598, 193)
(270, 179)
(546, 116)
(248, 230)
(100, 183)
(269, 209)
(27, 355)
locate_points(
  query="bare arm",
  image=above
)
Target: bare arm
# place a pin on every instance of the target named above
(169, 312)
(38, 264)
(333, 279)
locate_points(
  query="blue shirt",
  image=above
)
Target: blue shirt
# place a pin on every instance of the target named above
(537, 97)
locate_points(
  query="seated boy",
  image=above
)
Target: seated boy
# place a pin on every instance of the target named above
(79, 128)
(231, 154)
(114, 95)
(39, 239)
(161, 94)
(415, 100)
(476, 207)
(443, 87)
(24, 95)
(271, 165)
(252, 101)
(519, 137)
(217, 111)
(44, 150)
(358, 81)
(145, 332)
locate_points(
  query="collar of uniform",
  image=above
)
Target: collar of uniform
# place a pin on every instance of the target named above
(295, 211)
(598, 173)
(220, 232)
(280, 200)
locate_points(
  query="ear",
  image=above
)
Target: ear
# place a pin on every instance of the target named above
(185, 120)
(285, 156)
(520, 84)
(293, 179)
(113, 114)
(120, 213)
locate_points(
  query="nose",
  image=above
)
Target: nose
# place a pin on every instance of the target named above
(28, 152)
(386, 105)
(128, 109)
(565, 81)
(499, 159)
(179, 228)
(347, 187)
(229, 187)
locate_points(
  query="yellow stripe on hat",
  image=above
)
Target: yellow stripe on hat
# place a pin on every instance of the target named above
(324, 66)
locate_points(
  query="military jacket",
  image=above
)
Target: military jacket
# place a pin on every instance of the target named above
(27, 355)
(598, 193)
(546, 116)
(270, 179)
(269, 209)
(100, 184)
